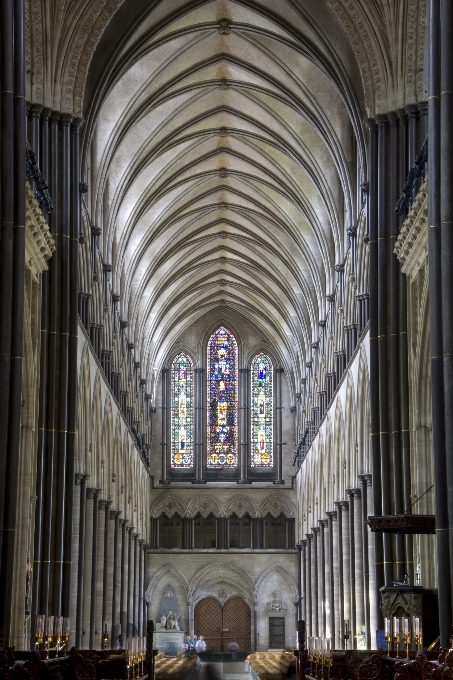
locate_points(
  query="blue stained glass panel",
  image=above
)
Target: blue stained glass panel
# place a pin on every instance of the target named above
(182, 412)
(222, 400)
(262, 412)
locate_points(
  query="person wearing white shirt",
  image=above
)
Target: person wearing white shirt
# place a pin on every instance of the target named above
(200, 645)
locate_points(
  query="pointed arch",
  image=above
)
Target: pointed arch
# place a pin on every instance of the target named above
(280, 571)
(222, 399)
(203, 503)
(165, 570)
(239, 504)
(170, 503)
(182, 412)
(275, 504)
(262, 412)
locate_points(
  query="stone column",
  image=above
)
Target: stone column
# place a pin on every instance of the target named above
(81, 562)
(315, 581)
(330, 577)
(123, 582)
(374, 602)
(100, 564)
(352, 571)
(278, 426)
(358, 541)
(325, 576)
(75, 555)
(106, 574)
(362, 520)
(199, 422)
(346, 558)
(336, 575)
(135, 588)
(310, 623)
(303, 557)
(244, 392)
(88, 568)
(115, 572)
(141, 590)
(328, 611)
(129, 569)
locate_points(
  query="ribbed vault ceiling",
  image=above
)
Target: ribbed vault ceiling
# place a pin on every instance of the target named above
(224, 145)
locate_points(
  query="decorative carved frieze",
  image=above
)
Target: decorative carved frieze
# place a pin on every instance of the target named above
(411, 246)
(39, 242)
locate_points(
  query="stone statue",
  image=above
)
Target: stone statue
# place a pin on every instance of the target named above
(277, 605)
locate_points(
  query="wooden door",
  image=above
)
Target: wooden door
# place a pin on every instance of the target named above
(237, 624)
(208, 622)
(219, 626)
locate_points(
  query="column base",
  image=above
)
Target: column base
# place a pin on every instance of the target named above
(244, 481)
(278, 481)
(198, 481)
(164, 481)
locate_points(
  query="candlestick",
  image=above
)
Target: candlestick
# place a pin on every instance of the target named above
(396, 634)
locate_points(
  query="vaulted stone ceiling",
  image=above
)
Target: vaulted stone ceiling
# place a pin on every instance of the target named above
(224, 148)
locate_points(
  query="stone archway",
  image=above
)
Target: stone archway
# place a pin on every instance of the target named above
(220, 624)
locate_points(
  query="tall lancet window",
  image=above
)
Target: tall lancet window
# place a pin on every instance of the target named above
(222, 396)
(262, 412)
(182, 412)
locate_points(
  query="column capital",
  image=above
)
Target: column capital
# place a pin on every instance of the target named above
(92, 492)
(344, 505)
(411, 110)
(393, 117)
(369, 478)
(370, 123)
(114, 514)
(135, 536)
(315, 530)
(244, 370)
(123, 521)
(353, 493)
(309, 537)
(323, 522)
(66, 119)
(332, 514)
(381, 120)
(130, 529)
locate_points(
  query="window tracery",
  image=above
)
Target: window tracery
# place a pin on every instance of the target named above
(182, 412)
(262, 412)
(222, 400)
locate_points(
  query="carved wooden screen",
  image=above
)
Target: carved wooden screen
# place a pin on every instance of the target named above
(208, 622)
(237, 624)
(220, 626)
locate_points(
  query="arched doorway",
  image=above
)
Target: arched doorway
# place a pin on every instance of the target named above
(221, 624)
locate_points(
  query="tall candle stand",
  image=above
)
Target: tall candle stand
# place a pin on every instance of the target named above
(388, 634)
(406, 636)
(396, 635)
(347, 634)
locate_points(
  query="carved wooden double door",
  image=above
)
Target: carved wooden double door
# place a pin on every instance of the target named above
(221, 624)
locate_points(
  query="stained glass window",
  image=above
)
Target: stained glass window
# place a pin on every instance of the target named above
(222, 400)
(182, 412)
(262, 412)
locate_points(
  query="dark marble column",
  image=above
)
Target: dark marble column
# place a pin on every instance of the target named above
(279, 429)
(436, 149)
(199, 424)
(374, 354)
(244, 392)
(165, 433)
(94, 568)
(141, 590)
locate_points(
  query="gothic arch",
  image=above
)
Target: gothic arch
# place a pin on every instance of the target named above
(239, 503)
(276, 569)
(221, 571)
(168, 503)
(167, 569)
(275, 503)
(203, 503)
